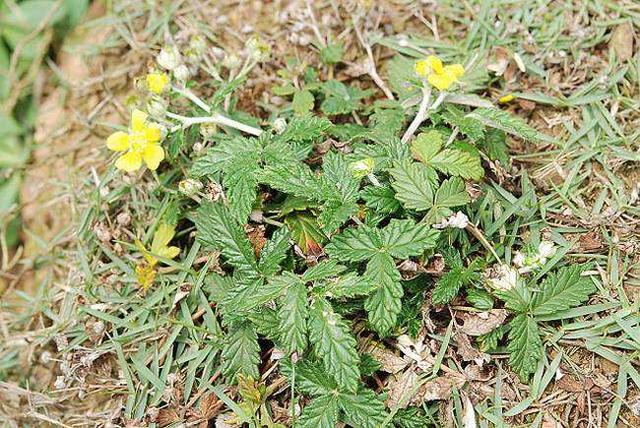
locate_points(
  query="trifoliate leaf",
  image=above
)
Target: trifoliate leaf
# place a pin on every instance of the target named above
(362, 410)
(414, 184)
(293, 318)
(321, 412)
(562, 290)
(385, 303)
(217, 228)
(241, 353)
(525, 345)
(502, 120)
(334, 344)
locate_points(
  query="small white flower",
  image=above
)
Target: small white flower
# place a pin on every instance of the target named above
(502, 277)
(182, 73)
(168, 58)
(519, 259)
(546, 249)
(258, 49)
(458, 220)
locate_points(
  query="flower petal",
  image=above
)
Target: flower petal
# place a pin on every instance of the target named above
(118, 141)
(440, 81)
(138, 119)
(422, 68)
(157, 82)
(131, 161)
(153, 154)
(435, 64)
(152, 134)
(456, 70)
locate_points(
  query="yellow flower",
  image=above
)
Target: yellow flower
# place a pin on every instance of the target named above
(146, 271)
(142, 143)
(157, 82)
(442, 77)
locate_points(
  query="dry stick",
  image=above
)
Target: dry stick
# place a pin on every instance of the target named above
(215, 118)
(371, 66)
(420, 116)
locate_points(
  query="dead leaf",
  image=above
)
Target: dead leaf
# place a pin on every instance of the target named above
(465, 349)
(438, 388)
(479, 323)
(401, 389)
(167, 417)
(389, 361)
(622, 41)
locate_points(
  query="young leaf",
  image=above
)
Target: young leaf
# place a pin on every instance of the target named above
(385, 303)
(217, 228)
(305, 232)
(362, 410)
(562, 290)
(302, 102)
(241, 353)
(525, 345)
(414, 184)
(321, 412)
(293, 318)
(334, 344)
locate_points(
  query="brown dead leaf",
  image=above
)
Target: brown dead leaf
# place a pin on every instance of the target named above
(167, 417)
(479, 323)
(257, 238)
(570, 384)
(622, 41)
(401, 389)
(389, 361)
(438, 388)
(465, 349)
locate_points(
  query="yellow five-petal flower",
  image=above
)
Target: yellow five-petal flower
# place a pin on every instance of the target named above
(141, 144)
(157, 82)
(439, 76)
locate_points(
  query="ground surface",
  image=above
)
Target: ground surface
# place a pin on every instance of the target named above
(575, 70)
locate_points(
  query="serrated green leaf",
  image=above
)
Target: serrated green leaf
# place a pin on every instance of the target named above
(458, 162)
(452, 193)
(380, 198)
(414, 184)
(217, 228)
(242, 187)
(525, 345)
(354, 244)
(447, 287)
(362, 410)
(562, 290)
(325, 269)
(226, 149)
(293, 314)
(311, 377)
(404, 238)
(347, 285)
(385, 303)
(334, 344)
(305, 128)
(332, 53)
(340, 98)
(502, 120)
(274, 252)
(468, 126)
(495, 146)
(295, 179)
(241, 353)
(321, 412)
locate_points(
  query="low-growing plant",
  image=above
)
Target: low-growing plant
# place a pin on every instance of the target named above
(316, 218)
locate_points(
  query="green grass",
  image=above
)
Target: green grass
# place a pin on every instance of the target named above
(163, 348)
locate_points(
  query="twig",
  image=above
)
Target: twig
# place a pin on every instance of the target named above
(371, 64)
(215, 118)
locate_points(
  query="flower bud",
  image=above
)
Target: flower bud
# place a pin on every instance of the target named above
(157, 107)
(189, 187)
(182, 73)
(258, 49)
(197, 45)
(168, 58)
(502, 277)
(208, 130)
(279, 125)
(231, 61)
(362, 168)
